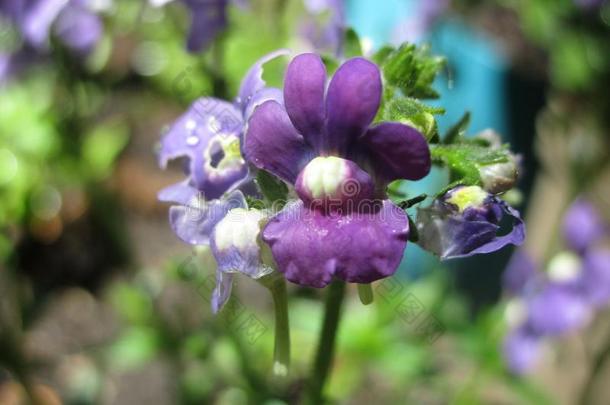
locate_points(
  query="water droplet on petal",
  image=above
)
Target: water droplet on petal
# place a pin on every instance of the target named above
(192, 140)
(190, 125)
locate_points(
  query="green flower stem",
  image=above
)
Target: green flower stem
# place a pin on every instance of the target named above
(326, 344)
(365, 292)
(281, 357)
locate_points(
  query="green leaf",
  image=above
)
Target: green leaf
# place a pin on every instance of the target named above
(412, 112)
(351, 44)
(102, 146)
(273, 189)
(410, 69)
(464, 160)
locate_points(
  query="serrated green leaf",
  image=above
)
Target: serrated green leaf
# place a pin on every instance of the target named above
(464, 159)
(412, 112)
(410, 69)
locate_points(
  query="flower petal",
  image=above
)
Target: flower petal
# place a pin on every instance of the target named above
(273, 144)
(194, 222)
(253, 81)
(180, 193)
(266, 94)
(304, 96)
(235, 243)
(353, 98)
(398, 151)
(454, 236)
(206, 133)
(222, 291)
(310, 247)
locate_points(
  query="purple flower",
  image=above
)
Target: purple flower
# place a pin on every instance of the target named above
(322, 141)
(210, 134)
(582, 226)
(466, 221)
(72, 21)
(208, 19)
(557, 309)
(227, 226)
(326, 35)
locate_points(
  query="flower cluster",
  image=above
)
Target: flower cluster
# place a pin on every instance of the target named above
(74, 23)
(565, 297)
(323, 137)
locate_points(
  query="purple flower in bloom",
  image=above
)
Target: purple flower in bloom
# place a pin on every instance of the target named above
(466, 221)
(210, 134)
(322, 141)
(72, 21)
(227, 226)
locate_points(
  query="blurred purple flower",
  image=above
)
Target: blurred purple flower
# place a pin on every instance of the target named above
(520, 272)
(565, 297)
(582, 226)
(210, 135)
(343, 225)
(73, 21)
(208, 19)
(589, 4)
(325, 35)
(466, 221)
(521, 350)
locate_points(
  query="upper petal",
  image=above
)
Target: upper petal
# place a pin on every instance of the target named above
(273, 144)
(398, 151)
(353, 98)
(253, 81)
(310, 247)
(304, 96)
(209, 135)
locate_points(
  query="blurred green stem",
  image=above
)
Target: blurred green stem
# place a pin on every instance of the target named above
(326, 344)
(586, 396)
(365, 292)
(281, 357)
